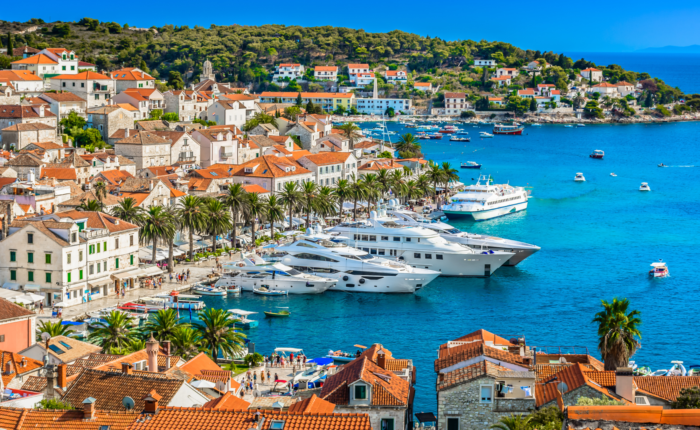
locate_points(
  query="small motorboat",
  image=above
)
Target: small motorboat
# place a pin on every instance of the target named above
(659, 270)
(580, 125)
(662, 165)
(579, 178)
(484, 134)
(203, 290)
(265, 291)
(642, 371)
(644, 187)
(660, 372)
(459, 139)
(435, 136)
(536, 124)
(470, 165)
(279, 314)
(569, 126)
(677, 370)
(613, 174)
(597, 154)
(233, 290)
(694, 370)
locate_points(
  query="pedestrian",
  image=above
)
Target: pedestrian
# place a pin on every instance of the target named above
(268, 374)
(255, 377)
(276, 377)
(247, 374)
(262, 376)
(41, 308)
(304, 360)
(291, 357)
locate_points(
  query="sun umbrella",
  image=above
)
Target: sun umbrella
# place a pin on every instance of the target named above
(280, 381)
(360, 346)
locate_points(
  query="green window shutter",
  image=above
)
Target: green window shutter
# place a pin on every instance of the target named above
(131, 258)
(13, 256)
(69, 277)
(48, 258)
(116, 263)
(13, 275)
(30, 276)
(48, 278)
(81, 275)
(105, 246)
(98, 247)
(30, 257)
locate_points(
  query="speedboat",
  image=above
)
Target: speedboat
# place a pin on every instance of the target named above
(479, 242)
(662, 165)
(660, 372)
(597, 154)
(311, 377)
(484, 134)
(263, 290)
(579, 178)
(435, 136)
(569, 126)
(659, 270)
(419, 247)
(580, 125)
(644, 187)
(204, 290)
(515, 129)
(677, 370)
(536, 124)
(242, 318)
(613, 174)
(253, 271)
(370, 270)
(694, 370)
(470, 165)
(460, 139)
(233, 290)
(485, 200)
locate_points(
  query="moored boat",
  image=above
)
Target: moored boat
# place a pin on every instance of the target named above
(485, 134)
(459, 139)
(579, 177)
(470, 165)
(485, 200)
(515, 129)
(204, 290)
(264, 290)
(279, 314)
(242, 317)
(659, 270)
(597, 154)
(644, 187)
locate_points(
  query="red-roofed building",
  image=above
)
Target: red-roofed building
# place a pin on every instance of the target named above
(17, 327)
(326, 73)
(288, 70)
(504, 80)
(23, 82)
(97, 89)
(592, 74)
(271, 172)
(455, 103)
(396, 76)
(330, 167)
(507, 71)
(132, 77)
(143, 99)
(527, 93)
(63, 103)
(423, 86)
(355, 69)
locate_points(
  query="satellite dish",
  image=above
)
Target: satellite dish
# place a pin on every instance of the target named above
(45, 336)
(128, 403)
(562, 387)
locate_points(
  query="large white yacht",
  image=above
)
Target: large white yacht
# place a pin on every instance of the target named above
(254, 272)
(355, 270)
(485, 200)
(478, 242)
(420, 247)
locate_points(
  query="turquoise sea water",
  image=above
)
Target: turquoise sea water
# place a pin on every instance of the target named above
(598, 239)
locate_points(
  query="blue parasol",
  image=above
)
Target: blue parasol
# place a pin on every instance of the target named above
(71, 323)
(322, 361)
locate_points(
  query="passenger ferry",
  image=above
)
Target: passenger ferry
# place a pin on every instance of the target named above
(485, 200)
(514, 129)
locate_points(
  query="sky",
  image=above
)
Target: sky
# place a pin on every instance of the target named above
(544, 25)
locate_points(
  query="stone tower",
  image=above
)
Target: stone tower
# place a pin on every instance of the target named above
(152, 347)
(207, 72)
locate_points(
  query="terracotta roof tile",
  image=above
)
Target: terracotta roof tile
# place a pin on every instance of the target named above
(98, 220)
(36, 59)
(115, 177)
(255, 188)
(83, 76)
(451, 356)
(9, 310)
(77, 200)
(74, 420)
(144, 138)
(292, 94)
(326, 69)
(670, 418)
(20, 364)
(268, 166)
(312, 405)
(387, 388)
(19, 75)
(468, 373)
(131, 74)
(63, 96)
(666, 387)
(64, 174)
(227, 402)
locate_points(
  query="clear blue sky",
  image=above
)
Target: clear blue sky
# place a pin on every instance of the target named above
(545, 25)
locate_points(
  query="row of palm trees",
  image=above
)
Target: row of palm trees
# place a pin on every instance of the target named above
(218, 216)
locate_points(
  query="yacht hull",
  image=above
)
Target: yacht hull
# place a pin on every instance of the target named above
(486, 214)
(301, 286)
(405, 283)
(460, 265)
(520, 249)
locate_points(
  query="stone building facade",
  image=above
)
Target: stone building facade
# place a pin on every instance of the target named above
(144, 148)
(109, 119)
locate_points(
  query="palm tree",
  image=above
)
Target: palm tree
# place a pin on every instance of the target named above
(351, 131)
(218, 220)
(309, 191)
(254, 209)
(100, 190)
(259, 118)
(217, 329)
(358, 191)
(290, 197)
(435, 175)
(163, 324)
(129, 347)
(235, 199)
(342, 193)
(274, 211)
(127, 210)
(372, 187)
(423, 184)
(192, 216)
(397, 182)
(90, 206)
(513, 422)
(449, 175)
(186, 341)
(116, 331)
(408, 143)
(53, 329)
(325, 202)
(411, 190)
(618, 331)
(383, 181)
(158, 224)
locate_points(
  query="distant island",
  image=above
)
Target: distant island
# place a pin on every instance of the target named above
(670, 49)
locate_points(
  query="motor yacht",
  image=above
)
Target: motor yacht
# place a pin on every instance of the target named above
(597, 154)
(579, 178)
(478, 242)
(659, 270)
(252, 272)
(485, 200)
(420, 247)
(354, 270)
(644, 187)
(485, 134)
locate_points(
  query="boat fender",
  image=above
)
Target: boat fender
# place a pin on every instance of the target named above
(345, 278)
(362, 280)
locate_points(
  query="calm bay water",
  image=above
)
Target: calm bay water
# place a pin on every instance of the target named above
(598, 239)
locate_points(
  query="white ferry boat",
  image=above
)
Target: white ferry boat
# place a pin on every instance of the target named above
(420, 247)
(485, 200)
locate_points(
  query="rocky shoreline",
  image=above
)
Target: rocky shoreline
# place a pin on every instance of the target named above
(540, 118)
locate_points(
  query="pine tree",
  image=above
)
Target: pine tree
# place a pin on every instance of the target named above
(310, 107)
(300, 101)
(10, 47)
(533, 105)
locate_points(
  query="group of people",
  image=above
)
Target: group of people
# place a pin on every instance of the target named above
(276, 360)
(154, 283)
(181, 278)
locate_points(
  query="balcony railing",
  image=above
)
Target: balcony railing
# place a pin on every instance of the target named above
(186, 156)
(226, 154)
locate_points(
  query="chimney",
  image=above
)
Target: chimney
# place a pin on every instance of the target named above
(41, 111)
(151, 399)
(8, 368)
(89, 409)
(381, 359)
(166, 350)
(624, 383)
(150, 185)
(53, 182)
(127, 368)
(126, 133)
(116, 221)
(49, 391)
(62, 376)
(152, 347)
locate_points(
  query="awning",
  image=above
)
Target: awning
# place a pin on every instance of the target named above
(151, 271)
(23, 300)
(32, 287)
(11, 286)
(100, 283)
(127, 274)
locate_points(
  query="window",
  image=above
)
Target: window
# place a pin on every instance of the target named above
(397, 239)
(438, 256)
(73, 237)
(72, 67)
(104, 266)
(428, 256)
(68, 257)
(416, 255)
(48, 258)
(486, 393)
(13, 256)
(69, 277)
(92, 269)
(385, 237)
(387, 424)
(97, 96)
(30, 257)
(30, 276)
(276, 425)
(116, 263)
(80, 256)
(48, 278)
(13, 275)
(80, 275)
(408, 239)
(99, 267)
(105, 246)
(30, 237)
(131, 242)
(82, 85)
(360, 392)
(453, 424)
(98, 247)
(373, 238)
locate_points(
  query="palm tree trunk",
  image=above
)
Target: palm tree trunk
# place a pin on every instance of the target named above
(191, 245)
(252, 231)
(154, 250)
(291, 225)
(233, 238)
(213, 242)
(354, 211)
(308, 216)
(170, 255)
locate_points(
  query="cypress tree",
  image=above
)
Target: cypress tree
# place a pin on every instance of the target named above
(300, 101)
(10, 48)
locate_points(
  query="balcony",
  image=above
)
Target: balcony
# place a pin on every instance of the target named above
(225, 154)
(186, 156)
(101, 88)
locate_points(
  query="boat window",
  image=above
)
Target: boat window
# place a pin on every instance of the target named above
(373, 251)
(350, 285)
(408, 239)
(438, 256)
(351, 257)
(306, 256)
(392, 224)
(385, 237)
(365, 237)
(397, 239)
(365, 257)
(366, 273)
(306, 245)
(373, 238)
(382, 252)
(416, 255)
(453, 231)
(428, 256)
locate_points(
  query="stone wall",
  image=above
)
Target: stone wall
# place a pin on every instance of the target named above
(376, 414)
(464, 402)
(571, 398)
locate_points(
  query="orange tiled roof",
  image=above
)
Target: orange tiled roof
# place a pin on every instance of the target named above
(573, 376)
(98, 220)
(468, 373)
(636, 414)
(127, 106)
(36, 59)
(590, 69)
(358, 66)
(255, 188)
(421, 84)
(19, 363)
(115, 177)
(131, 74)
(451, 356)
(324, 158)
(484, 336)
(19, 75)
(59, 173)
(66, 420)
(666, 387)
(605, 378)
(83, 76)
(228, 402)
(270, 166)
(312, 405)
(326, 69)
(292, 94)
